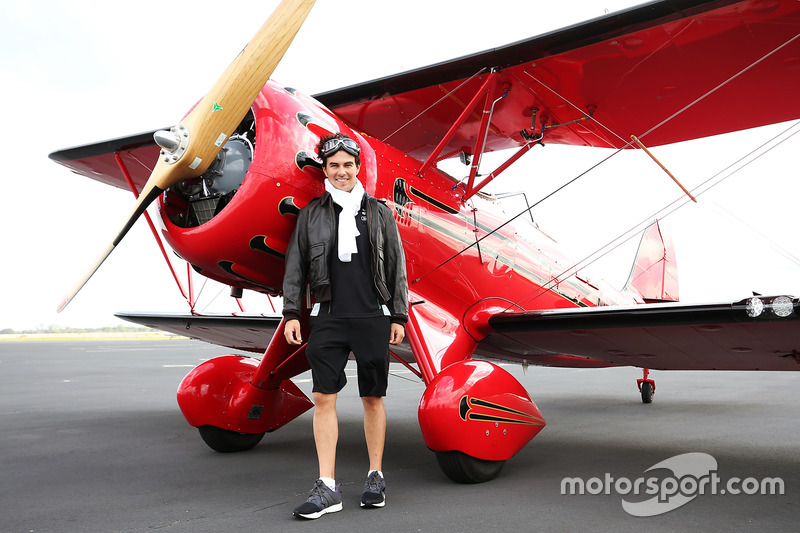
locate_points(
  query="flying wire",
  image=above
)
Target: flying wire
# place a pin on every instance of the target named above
(446, 95)
(626, 145)
(213, 298)
(665, 211)
(721, 85)
(578, 109)
(524, 211)
(200, 292)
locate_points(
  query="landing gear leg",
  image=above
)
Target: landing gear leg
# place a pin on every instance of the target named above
(646, 386)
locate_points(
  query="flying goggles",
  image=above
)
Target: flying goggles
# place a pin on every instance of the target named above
(332, 146)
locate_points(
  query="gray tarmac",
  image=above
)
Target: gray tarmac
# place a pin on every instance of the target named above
(91, 439)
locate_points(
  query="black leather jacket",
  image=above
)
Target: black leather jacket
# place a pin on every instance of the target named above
(311, 249)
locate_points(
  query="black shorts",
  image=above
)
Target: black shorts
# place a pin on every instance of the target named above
(329, 345)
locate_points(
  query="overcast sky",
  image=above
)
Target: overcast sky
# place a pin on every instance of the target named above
(77, 72)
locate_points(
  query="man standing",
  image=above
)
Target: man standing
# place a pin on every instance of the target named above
(347, 246)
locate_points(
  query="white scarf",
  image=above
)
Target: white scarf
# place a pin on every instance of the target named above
(350, 202)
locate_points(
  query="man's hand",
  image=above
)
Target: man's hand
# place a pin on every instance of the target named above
(397, 334)
(292, 332)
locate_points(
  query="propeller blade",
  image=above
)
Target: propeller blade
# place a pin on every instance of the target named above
(190, 147)
(141, 204)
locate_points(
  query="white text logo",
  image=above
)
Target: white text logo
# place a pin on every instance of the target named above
(693, 474)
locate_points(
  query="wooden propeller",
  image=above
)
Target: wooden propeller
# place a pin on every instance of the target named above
(190, 147)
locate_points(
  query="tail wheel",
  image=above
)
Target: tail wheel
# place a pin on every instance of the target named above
(226, 441)
(647, 392)
(463, 468)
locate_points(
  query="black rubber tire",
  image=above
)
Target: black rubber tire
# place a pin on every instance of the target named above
(226, 441)
(647, 392)
(463, 468)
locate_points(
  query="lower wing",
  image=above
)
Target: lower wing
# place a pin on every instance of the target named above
(759, 333)
(246, 333)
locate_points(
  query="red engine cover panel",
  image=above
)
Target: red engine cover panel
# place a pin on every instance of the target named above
(478, 408)
(218, 393)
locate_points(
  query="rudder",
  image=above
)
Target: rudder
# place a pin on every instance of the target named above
(654, 275)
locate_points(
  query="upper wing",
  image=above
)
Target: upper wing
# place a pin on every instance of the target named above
(659, 336)
(138, 154)
(721, 65)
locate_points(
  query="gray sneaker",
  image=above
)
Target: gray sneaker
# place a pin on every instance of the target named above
(320, 500)
(374, 491)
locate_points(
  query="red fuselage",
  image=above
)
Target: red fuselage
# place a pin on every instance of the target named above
(244, 243)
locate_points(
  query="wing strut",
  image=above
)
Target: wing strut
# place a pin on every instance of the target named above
(511, 160)
(480, 141)
(488, 86)
(126, 174)
(643, 147)
(487, 90)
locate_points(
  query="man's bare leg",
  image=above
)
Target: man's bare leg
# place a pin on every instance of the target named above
(326, 433)
(323, 498)
(374, 429)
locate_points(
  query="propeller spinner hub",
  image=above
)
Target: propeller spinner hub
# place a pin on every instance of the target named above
(173, 143)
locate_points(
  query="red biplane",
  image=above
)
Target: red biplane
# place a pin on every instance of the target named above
(230, 178)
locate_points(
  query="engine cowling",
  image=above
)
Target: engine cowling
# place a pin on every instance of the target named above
(233, 223)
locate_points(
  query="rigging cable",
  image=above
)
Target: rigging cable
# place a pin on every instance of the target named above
(197, 298)
(665, 211)
(213, 298)
(627, 144)
(578, 109)
(721, 85)
(507, 222)
(437, 102)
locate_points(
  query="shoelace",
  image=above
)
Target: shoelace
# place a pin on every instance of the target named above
(317, 495)
(374, 483)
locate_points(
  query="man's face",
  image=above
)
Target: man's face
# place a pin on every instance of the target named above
(341, 170)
